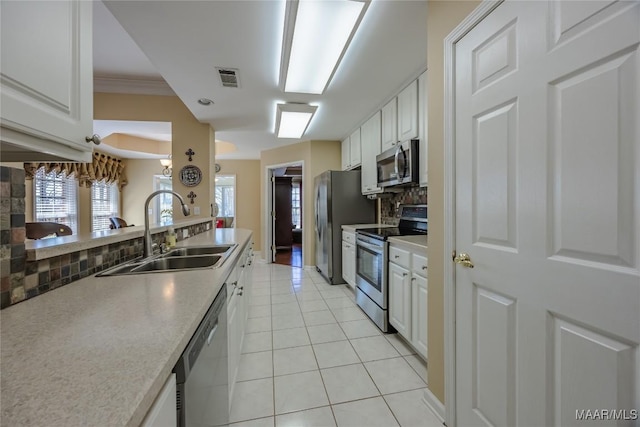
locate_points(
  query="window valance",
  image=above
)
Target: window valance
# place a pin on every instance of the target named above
(103, 167)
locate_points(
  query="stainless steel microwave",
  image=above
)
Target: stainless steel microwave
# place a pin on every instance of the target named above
(398, 165)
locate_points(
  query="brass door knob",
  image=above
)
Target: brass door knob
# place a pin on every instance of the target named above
(463, 259)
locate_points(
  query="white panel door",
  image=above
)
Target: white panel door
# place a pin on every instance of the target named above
(548, 209)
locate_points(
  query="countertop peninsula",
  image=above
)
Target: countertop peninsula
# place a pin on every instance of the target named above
(96, 352)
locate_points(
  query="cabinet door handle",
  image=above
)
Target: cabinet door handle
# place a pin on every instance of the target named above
(404, 274)
(95, 138)
(424, 267)
(396, 256)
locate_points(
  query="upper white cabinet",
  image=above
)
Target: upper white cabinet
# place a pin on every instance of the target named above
(346, 153)
(351, 157)
(371, 131)
(354, 148)
(422, 129)
(408, 112)
(389, 125)
(46, 80)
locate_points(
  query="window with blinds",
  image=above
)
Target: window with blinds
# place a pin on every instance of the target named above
(225, 198)
(104, 204)
(56, 199)
(295, 205)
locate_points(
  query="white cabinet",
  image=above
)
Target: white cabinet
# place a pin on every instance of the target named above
(419, 298)
(408, 112)
(422, 129)
(389, 125)
(354, 149)
(239, 287)
(349, 258)
(351, 151)
(400, 299)
(234, 330)
(370, 141)
(163, 412)
(346, 154)
(46, 87)
(408, 296)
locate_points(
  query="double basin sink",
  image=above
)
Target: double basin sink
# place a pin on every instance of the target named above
(186, 258)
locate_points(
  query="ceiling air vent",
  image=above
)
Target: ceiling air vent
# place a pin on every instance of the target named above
(228, 77)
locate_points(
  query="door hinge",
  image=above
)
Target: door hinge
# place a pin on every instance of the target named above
(273, 247)
(273, 179)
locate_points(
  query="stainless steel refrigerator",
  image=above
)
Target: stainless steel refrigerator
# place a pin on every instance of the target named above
(338, 201)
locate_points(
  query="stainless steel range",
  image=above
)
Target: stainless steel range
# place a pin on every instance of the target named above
(372, 249)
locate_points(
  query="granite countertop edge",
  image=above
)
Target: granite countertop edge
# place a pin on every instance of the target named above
(97, 352)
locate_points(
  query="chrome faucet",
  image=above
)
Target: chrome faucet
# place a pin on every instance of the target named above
(148, 250)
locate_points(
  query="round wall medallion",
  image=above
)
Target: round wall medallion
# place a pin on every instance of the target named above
(218, 168)
(190, 175)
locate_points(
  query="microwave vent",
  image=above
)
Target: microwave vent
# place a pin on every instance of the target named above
(228, 76)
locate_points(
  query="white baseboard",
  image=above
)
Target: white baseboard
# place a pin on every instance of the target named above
(434, 404)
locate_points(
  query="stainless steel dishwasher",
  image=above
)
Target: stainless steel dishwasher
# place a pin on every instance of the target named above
(202, 371)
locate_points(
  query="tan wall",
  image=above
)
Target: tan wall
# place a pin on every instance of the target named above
(140, 173)
(186, 132)
(317, 156)
(443, 17)
(247, 174)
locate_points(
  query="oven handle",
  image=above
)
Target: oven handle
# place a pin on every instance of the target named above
(374, 248)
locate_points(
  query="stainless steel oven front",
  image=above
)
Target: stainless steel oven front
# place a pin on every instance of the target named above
(371, 279)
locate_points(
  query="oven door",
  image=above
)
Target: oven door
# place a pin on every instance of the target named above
(371, 269)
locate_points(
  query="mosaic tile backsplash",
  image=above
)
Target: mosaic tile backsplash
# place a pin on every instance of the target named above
(389, 206)
(22, 279)
(12, 232)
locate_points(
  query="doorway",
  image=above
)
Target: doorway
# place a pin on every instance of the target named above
(285, 226)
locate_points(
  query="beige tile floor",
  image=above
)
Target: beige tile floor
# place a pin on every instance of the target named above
(310, 357)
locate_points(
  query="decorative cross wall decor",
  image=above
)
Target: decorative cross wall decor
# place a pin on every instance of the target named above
(191, 196)
(190, 153)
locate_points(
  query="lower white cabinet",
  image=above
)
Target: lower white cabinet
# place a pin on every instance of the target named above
(408, 296)
(163, 412)
(238, 293)
(419, 298)
(349, 258)
(400, 299)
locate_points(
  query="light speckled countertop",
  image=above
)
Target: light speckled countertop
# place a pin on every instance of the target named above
(96, 352)
(415, 243)
(47, 248)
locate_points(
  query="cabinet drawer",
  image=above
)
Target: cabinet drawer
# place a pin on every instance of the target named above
(349, 237)
(399, 256)
(419, 265)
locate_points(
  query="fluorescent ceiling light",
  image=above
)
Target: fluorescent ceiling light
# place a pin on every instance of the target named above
(316, 36)
(292, 120)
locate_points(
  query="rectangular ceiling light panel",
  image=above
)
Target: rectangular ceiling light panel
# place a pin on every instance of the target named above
(322, 31)
(292, 120)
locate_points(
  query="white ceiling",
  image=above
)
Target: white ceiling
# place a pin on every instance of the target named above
(185, 40)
